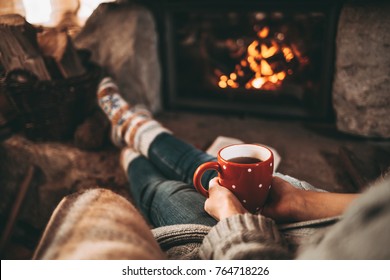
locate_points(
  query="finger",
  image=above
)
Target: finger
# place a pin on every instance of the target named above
(277, 181)
(213, 182)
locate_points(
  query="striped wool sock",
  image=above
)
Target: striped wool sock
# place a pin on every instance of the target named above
(131, 126)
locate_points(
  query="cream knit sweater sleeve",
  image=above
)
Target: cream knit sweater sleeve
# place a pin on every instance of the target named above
(243, 237)
(362, 233)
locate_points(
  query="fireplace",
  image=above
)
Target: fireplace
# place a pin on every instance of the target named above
(280, 58)
(248, 56)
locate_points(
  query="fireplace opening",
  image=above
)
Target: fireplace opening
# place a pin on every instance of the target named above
(271, 59)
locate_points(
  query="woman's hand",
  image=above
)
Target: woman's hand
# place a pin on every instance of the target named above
(222, 203)
(286, 203)
(281, 205)
(283, 202)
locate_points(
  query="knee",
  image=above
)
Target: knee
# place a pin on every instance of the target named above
(170, 188)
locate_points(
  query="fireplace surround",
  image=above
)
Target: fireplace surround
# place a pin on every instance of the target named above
(262, 57)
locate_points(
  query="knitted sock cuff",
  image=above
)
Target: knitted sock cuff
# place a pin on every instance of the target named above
(146, 135)
(106, 82)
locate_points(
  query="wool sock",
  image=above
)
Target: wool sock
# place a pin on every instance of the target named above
(131, 126)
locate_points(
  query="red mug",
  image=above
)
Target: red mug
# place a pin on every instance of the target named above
(244, 169)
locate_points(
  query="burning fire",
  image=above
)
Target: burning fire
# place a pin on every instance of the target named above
(265, 64)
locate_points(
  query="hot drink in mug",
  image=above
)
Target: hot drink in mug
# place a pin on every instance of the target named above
(244, 169)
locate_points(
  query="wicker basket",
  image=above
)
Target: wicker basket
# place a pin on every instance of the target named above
(50, 110)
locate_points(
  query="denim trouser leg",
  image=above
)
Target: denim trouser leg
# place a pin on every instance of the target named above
(162, 201)
(178, 160)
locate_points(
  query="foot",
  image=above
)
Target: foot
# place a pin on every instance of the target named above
(120, 113)
(131, 126)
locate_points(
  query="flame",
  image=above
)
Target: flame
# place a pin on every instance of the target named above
(268, 52)
(222, 84)
(288, 54)
(258, 82)
(257, 62)
(263, 33)
(281, 75)
(252, 49)
(265, 68)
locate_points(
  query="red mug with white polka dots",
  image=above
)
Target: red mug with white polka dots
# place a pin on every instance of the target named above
(244, 169)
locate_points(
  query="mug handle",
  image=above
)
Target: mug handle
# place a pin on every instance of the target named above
(199, 173)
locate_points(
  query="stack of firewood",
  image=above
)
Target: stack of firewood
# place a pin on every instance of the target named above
(47, 53)
(48, 83)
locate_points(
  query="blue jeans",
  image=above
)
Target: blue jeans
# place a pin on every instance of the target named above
(162, 185)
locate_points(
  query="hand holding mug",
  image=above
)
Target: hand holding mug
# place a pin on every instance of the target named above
(245, 169)
(222, 203)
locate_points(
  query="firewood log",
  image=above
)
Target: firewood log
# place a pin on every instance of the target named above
(19, 47)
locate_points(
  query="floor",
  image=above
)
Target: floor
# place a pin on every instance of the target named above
(309, 151)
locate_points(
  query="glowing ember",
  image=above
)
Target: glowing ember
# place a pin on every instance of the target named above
(263, 33)
(265, 64)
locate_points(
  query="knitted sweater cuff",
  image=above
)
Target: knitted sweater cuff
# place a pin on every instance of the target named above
(244, 236)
